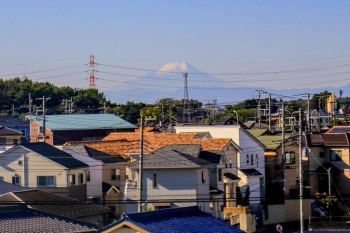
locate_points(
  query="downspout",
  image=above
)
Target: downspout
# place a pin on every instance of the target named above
(24, 171)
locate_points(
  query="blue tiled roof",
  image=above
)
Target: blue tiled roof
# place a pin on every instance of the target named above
(56, 155)
(15, 219)
(186, 219)
(83, 122)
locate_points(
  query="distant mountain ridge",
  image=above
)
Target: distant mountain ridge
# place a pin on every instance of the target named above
(168, 82)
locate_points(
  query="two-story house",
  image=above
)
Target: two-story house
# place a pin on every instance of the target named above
(60, 129)
(172, 176)
(250, 161)
(42, 166)
(9, 138)
(17, 124)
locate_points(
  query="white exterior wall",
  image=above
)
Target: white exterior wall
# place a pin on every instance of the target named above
(94, 186)
(33, 166)
(242, 138)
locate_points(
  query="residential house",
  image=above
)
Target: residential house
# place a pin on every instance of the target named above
(60, 129)
(176, 220)
(21, 218)
(59, 205)
(107, 175)
(17, 124)
(9, 138)
(42, 166)
(250, 161)
(173, 176)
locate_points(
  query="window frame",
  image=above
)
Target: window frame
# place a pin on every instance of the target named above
(72, 179)
(47, 183)
(251, 159)
(247, 158)
(289, 157)
(80, 178)
(155, 182)
(17, 180)
(88, 176)
(114, 174)
(220, 174)
(203, 177)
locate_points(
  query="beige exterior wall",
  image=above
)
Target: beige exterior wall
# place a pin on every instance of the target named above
(107, 174)
(10, 139)
(32, 166)
(288, 212)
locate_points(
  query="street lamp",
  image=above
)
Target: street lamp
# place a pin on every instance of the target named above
(236, 116)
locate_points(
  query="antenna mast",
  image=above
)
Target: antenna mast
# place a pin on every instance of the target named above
(92, 71)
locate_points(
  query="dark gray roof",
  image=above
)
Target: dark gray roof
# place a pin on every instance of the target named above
(55, 204)
(190, 149)
(8, 187)
(211, 156)
(56, 155)
(8, 131)
(12, 121)
(250, 172)
(20, 218)
(169, 157)
(95, 154)
(231, 176)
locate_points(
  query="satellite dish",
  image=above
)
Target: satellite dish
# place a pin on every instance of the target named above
(279, 228)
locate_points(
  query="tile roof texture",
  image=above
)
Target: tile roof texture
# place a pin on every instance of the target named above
(83, 122)
(12, 121)
(55, 204)
(339, 129)
(56, 155)
(8, 187)
(173, 156)
(19, 219)
(8, 131)
(178, 220)
(211, 156)
(156, 141)
(335, 139)
(96, 154)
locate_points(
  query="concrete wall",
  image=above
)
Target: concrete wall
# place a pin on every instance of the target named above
(288, 212)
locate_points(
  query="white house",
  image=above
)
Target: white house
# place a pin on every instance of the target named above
(173, 176)
(42, 166)
(250, 160)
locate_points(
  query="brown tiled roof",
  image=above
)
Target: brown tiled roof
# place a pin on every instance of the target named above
(156, 141)
(313, 140)
(335, 139)
(8, 131)
(56, 204)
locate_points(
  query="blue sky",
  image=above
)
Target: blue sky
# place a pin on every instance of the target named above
(213, 36)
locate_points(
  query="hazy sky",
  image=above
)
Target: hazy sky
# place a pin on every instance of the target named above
(298, 43)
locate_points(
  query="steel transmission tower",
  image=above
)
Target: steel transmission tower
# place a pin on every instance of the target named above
(186, 112)
(92, 65)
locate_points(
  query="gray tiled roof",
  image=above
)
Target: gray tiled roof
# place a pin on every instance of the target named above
(55, 204)
(8, 131)
(83, 122)
(211, 156)
(18, 219)
(7, 187)
(169, 157)
(54, 154)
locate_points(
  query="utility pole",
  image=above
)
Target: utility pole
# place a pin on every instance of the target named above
(301, 176)
(65, 106)
(259, 107)
(141, 166)
(329, 181)
(44, 113)
(270, 112)
(283, 134)
(13, 110)
(186, 113)
(308, 113)
(30, 104)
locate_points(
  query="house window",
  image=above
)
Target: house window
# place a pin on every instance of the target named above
(321, 154)
(251, 159)
(40, 139)
(256, 159)
(72, 179)
(20, 162)
(155, 184)
(16, 180)
(220, 174)
(203, 177)
(115, 174)
(80, 178)
(335, 155)
(45, 181)
(2, 141)
(24, 132)
(88, 176)
(290, 157)
(247, 159)
(15, 141)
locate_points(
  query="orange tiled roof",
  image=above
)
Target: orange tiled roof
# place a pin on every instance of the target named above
(156, 141)
(112, 147)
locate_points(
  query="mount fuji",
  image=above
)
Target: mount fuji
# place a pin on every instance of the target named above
(168, 82)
